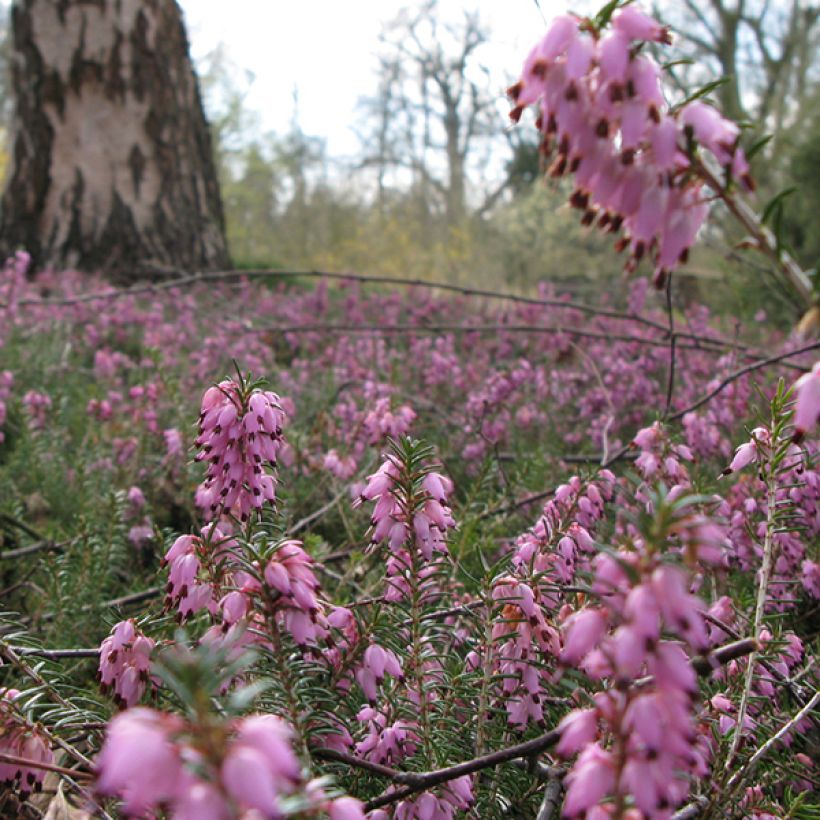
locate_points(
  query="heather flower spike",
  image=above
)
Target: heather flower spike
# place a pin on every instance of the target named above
(240, 436)
(603, 117)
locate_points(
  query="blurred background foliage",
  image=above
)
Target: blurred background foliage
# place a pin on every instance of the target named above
(442, 188)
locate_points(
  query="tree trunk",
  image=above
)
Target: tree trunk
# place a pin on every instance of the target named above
(112, 162)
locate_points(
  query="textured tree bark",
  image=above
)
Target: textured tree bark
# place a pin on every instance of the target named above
(112, 162)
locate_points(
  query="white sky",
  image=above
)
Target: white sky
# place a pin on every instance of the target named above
(327, 49)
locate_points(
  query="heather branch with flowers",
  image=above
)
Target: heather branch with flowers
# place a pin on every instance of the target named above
(639, 642)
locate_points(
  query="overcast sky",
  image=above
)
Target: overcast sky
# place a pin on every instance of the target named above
(327, 49)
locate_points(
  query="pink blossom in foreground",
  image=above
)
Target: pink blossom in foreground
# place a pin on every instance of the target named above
(152, 760)
(140, 761)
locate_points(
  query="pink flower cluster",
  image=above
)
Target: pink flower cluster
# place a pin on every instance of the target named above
(289, 574)
(526, 641)
(37, 406)
(239, 434)
(602, 107)
(659, 460)
(196, 566)
(412, 522)
(125, 663)
(13, 286)
(396, 516)
(656, 743)
(445, 803)
(21, 740)
(386, 743)
(152, 759)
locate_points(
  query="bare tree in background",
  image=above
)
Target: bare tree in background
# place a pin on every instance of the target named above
(433, 107)
(767, 50)
(112, 159)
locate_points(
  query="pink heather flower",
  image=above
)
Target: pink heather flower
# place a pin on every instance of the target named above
(346, 808)
(390, 522)
(578, 729)
(447, 802)
(141, 534)
(125, 661)
(748, 453)
(37, 405)
(584, 631)
(198, 800)
(343, 468)
(604, 119)
(807, 402)
(591, 778)
(289, 573)
(192, 562)
(711, 129)
(260, 764)
(637, 25)
(238, 441)
(136, 498)
(19, 739)
(174, 447)
(376, 663)
(387, 744)
(681, 611)
(139, 761)
(811, 577)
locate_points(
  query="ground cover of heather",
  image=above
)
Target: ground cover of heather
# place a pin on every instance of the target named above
(412, 662)
(325, 545)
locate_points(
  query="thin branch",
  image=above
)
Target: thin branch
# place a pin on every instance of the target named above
(706, 664)
(31, 549)
(415, 782)
(316, 514)
(419, 782)
(133, 598)
(794, 689)
(39, 764)
(763, 750)
(356, 762)
(185, 279)
(762, 596)
(55, 654)
(551, 804)
(732, 377)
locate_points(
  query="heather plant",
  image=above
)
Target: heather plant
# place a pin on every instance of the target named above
(472, 558)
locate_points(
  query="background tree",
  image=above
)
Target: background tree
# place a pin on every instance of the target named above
(434, 107)
(112, 160)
